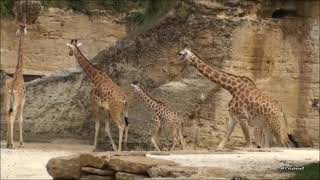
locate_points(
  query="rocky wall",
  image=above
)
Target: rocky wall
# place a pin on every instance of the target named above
(281, 55)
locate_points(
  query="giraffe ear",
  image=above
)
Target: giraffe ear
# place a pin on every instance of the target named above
(68, 44)
(79, 44)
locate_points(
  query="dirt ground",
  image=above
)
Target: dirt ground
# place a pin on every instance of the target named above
(30, 162)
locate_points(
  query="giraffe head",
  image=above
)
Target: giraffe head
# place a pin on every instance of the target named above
(136, 86)
(185, 55)
(72, 45)
(21, 27)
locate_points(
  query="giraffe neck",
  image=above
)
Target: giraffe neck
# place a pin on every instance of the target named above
(221, 78)
(87, 67)
(19, 67)
(150, 101)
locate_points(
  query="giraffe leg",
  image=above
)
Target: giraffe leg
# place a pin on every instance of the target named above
(175, 139)
(107, 130)
(120, 138)
(10, 125)
(258, 137)
(125, 143)
(96, 135)
(267, 139)
(156, 120)
(12, 117)
(231, 125)
(21, 122)
(181, 138)
(245, 130)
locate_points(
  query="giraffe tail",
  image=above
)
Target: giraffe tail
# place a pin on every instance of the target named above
(126, 118)
(11, 103)
(291, 137)
(126, 121)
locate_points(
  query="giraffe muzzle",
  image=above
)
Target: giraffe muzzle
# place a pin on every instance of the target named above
(177, 60)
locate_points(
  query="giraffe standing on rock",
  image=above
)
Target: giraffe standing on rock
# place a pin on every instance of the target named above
(248, 106)
(163, 117)
(106, 95)
(16, 92)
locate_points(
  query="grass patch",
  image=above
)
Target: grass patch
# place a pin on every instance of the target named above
(310, 171)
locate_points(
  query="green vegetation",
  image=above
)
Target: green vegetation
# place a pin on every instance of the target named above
(6, 8)
(140, 14)
(153, 10)
(311, 171)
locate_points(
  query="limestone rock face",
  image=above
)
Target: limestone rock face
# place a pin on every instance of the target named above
(67, 167)
(135, 164)
(280, 55)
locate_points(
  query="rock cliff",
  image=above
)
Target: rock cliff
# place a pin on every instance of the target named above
(280, 54)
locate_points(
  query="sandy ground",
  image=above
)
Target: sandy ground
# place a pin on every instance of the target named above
(30, 162)
(242, 160)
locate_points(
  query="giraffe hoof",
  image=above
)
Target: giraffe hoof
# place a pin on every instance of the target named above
(10, 146)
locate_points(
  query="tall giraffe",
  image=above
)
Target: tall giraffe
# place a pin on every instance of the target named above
(16, 92)
(248, 106)
(163, 117)
(105, 94)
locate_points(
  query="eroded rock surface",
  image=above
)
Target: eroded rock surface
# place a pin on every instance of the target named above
(135, 164)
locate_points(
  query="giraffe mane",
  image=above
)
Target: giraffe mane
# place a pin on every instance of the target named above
(158, 101)
(242, 77)
(87, 59)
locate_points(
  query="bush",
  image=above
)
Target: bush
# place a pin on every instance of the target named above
(79, 5)
(115, 5)
(6, 8)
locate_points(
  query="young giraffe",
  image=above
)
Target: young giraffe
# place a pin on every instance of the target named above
(106, 95)
(249, 105)
(163, 117)
(16, 92)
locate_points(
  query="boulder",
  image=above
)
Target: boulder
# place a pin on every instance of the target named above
(129, 176)
(136, 164)
(93, 160)
(96, 177)
(66, 167)
(69, 167)
(101, 172)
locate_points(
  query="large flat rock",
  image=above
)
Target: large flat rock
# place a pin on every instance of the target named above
(136, 164)
(96, 171)
(69, 167)
(129, 176)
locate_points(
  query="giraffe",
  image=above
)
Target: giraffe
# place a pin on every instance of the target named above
(249, 106)
(106, 95)
(163, 117)
(16, 92)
